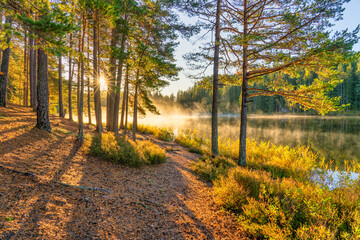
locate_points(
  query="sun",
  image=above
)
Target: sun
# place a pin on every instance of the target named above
(103, 84)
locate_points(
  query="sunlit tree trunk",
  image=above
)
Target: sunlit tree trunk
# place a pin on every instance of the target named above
(118, 85)
(244, 94)
(5, 67)
(81, 96)
(135, 111)
(26, 80)
(136, 103)
(32, 72)
(110, 103)
(61, 107)
(43, 121)
(88, 78)
(78, 80)
(70, 81)
(97, 98)
(124, 97)
(214, 113)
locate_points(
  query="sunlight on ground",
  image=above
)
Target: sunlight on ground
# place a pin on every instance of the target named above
(74, 174)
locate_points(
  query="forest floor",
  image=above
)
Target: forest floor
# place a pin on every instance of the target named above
(166, 201)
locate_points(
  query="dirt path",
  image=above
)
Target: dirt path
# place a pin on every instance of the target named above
(157, 202)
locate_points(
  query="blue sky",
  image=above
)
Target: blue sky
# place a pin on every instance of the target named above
(350, 20)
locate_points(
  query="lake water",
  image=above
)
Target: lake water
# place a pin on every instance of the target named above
(336, 138)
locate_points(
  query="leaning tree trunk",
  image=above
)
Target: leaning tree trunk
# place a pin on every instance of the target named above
(61, 107)
(214, 112)
(43, 121)
(244, 95)
(5, 67)
(97, 96)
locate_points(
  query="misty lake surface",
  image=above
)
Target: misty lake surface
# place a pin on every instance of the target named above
(335, 138)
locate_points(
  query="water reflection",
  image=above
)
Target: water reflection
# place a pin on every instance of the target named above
(336, 138)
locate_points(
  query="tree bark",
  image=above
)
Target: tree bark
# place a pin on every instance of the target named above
(61, 107)
(126, 97)
(26, 80)
(1, 25)
(111, 83)
(244, 93)
(78, 81)
(97, 96)
(81, 97)
(70, 81)
(118, 85)
(43, 121)
(88, 78)
(5, 67)
(214, 112)
(32, 72)
(135, 110)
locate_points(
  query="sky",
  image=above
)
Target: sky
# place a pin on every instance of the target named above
(351, 19)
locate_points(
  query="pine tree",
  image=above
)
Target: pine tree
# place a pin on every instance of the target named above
(5, 64)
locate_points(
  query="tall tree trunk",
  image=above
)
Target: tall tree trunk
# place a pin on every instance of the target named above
(32, 73)
(214, 112)
(43, 121)
(118, 85)
(5, 67)
(81, 97)
(88, 78)
(124, 97)
(70, 81)
(26, 80)
(244, 94)
(111, 83)
(78, 82)
(61, 107)
(97, 95)
(115, 114)
(135, 111)
(1, 24)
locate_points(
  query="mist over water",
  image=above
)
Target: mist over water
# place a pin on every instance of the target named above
(335, 138)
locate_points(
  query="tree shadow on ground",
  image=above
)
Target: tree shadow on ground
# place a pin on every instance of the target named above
(154, 202)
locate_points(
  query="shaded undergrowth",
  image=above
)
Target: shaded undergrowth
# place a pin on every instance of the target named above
(125, 151)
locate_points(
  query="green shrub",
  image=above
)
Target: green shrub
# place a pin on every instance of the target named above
(193, 141)
(127, 152)
(228, 194)
(284, 208)
(211, 169)
(150, 152)
(165, 134)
